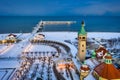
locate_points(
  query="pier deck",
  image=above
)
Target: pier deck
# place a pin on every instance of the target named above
(40, 25)
(57, 22)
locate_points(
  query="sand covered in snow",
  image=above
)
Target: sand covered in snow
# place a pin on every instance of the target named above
(17, 48)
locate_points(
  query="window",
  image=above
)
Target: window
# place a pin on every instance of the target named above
(82, 50)
(82, 45)
(83, 37)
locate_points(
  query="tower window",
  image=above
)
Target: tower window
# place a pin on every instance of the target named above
(83, 37)
(82, 45)
(82, 50)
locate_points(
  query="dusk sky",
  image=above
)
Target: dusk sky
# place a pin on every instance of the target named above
(60, 7)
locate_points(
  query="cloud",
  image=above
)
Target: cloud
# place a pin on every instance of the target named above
(59, 7)
(29, 7)
(98, 8)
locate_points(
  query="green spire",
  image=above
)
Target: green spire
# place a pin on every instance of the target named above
(82, 31)
(94, 54)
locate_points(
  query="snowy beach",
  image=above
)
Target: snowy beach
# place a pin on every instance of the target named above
(11, 55)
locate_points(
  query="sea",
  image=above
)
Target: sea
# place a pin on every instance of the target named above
(25, 24)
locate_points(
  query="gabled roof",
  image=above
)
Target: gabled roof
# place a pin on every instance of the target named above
(41, 34)
(12, 35)
(107, 71)
(100, 49)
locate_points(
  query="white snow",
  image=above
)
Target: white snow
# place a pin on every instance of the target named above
(103, 35)
(9, 63)
(41, 48)
(15, 50)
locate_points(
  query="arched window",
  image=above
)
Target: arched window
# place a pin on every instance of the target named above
(82, 45)
(83, 38)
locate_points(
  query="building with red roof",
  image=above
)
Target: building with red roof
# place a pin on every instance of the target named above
(84, 71)
(106, 70)
(99, 53)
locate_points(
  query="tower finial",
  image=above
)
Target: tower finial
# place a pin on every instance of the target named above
(82, 31)
(83, 23)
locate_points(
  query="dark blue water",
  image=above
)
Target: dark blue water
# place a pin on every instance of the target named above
(14, 24)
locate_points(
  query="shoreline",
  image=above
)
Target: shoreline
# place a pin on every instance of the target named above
(68, 35)
(57, 32)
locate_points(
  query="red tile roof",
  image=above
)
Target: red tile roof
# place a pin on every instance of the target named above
(100, 49)
(107, 71)
(85, 68)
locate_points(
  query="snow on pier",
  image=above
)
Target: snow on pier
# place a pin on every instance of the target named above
(41, 24)
(57, 22)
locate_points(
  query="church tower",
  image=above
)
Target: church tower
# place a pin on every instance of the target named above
(82, 37)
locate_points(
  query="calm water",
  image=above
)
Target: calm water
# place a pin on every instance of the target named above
(14, 24)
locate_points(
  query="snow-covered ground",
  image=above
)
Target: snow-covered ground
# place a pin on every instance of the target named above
(10, 58)
(5, 73)
(42, 48)
(8, 63)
